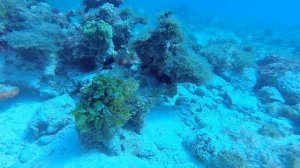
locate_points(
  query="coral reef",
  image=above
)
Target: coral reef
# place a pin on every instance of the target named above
(107, 104)
(54, 50)
(33, 33)
(164, 55)
(89, 76)
(118, 25)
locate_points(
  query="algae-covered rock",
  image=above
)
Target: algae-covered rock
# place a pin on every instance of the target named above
(106, 105)
(165, 55)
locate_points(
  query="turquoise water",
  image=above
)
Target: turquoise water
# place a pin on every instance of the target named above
(142, 84)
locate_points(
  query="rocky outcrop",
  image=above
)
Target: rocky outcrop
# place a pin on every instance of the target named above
(282, 74)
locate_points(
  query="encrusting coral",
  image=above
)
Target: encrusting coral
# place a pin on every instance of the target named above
(107, 104)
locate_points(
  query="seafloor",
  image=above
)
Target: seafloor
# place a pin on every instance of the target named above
(213, 92)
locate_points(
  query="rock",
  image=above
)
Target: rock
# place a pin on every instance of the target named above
(227, 158)
(269, 94)
(282, 74)
(245, 80)
(202, 91)
(26, 154)
(289, 86)
(272, 108)
(45, 140)
(7, 91)
(271, 130)
(181, 101)
(236, 99)
(200, 146)
(140, 146)
(51, 117)
(290, 113)
(48, 92)
(113, 147)
(219, 84)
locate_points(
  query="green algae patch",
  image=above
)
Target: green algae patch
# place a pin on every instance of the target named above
(106, 105)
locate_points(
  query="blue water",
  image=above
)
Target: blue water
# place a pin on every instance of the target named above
(277, 11)
(209, 84)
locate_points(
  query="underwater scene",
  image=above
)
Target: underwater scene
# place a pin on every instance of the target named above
(149, 84)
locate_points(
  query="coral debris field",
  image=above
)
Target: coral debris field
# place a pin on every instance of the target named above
(105, 86)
